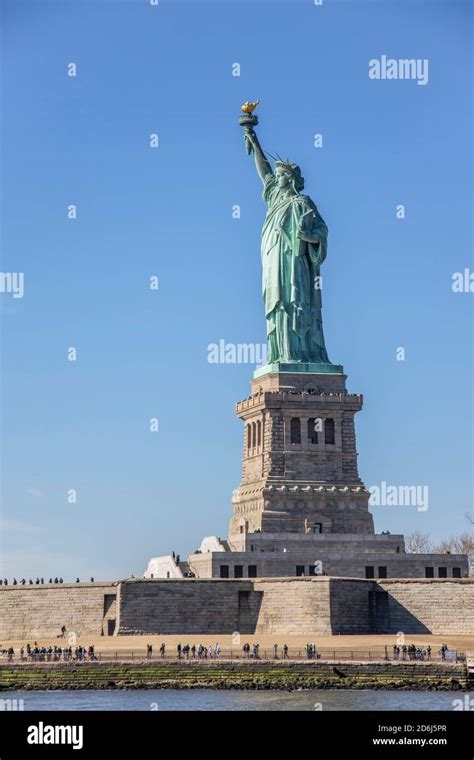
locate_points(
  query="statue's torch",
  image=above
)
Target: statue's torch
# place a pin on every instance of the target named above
(248, 121)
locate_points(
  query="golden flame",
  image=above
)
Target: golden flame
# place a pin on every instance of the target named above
(250, 107)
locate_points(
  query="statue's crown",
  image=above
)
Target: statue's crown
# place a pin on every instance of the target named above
(295, 170)
(287, 165)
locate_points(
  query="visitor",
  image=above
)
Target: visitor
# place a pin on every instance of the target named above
(217, 650)
(149, 651)
(162, 650)
(285, 652)
(178, 649)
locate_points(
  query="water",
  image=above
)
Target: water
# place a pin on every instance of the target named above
(208, 700)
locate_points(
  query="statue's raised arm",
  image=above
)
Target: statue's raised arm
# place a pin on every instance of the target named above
(248, 121)
(261, 161)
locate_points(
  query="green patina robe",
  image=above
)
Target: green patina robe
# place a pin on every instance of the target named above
(290, 268)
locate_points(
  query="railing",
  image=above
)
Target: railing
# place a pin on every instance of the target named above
(333, 397)
(321, 655)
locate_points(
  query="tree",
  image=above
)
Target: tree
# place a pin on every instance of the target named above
(418, 543)
(462, 544)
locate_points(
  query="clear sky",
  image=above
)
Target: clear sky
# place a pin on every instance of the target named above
(84, 140)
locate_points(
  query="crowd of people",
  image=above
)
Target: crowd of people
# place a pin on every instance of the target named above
(80, 653)
(55, 653)
(202, 652)
(311, 652)
(37, 582)
(412, 652)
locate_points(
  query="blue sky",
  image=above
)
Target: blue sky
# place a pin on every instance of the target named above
(167, 212)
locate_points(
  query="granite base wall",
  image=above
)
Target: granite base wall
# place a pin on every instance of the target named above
(29, 612)
(424, 606)
(284, 606)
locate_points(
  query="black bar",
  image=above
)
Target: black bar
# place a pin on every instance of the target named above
(129, 734)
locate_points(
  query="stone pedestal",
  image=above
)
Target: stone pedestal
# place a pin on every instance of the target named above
(299, 472)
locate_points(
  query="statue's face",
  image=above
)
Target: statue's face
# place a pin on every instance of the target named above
(283, 178)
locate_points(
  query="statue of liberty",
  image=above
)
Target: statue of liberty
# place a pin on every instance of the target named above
(294, 244)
